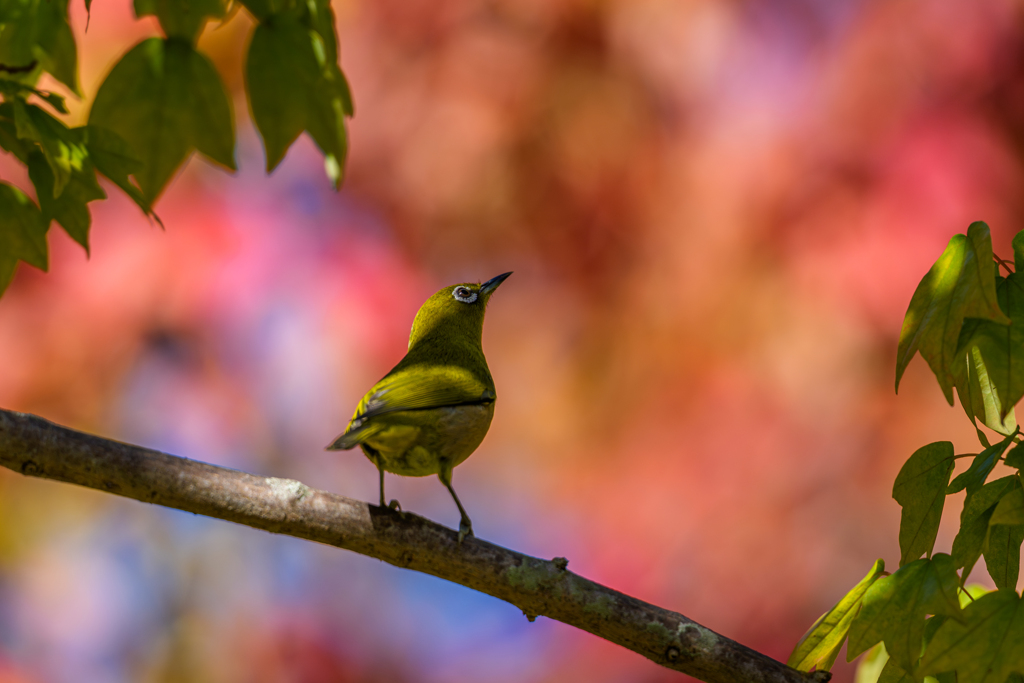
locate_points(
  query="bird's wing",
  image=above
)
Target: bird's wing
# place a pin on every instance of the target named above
(414, 388)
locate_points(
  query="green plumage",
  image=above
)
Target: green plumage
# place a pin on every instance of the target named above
(434, 408)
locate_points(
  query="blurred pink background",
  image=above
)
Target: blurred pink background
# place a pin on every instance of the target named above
(716, 213)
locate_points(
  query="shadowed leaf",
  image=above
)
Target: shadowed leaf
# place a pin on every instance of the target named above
(70, 209)
(114, 158)
(920, 489)
(22, 231)
(974, 521)
(181, 18)
(975, 475)
(165, 99)
(12, 89)
(63, 148)
(294, 84)
(1010, 509)
(37, 32)
(986, 646)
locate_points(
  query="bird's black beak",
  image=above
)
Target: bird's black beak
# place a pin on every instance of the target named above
(492, 284)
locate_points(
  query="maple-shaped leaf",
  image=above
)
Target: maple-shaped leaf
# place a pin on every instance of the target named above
(986, 647)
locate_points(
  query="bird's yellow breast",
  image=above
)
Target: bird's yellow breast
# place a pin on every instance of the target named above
(416, 443)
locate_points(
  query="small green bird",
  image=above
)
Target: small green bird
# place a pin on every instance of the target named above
(434, 408)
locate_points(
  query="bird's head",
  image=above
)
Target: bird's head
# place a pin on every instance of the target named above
(455, 312)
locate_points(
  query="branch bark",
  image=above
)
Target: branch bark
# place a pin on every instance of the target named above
(36, 447)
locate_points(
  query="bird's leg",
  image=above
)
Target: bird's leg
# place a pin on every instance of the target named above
(465, 525)
(375, 456)
(394, 504)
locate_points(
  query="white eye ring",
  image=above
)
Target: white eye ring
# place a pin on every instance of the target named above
(464, 294)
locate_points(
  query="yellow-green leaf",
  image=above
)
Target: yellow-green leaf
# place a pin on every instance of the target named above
(989, 372)
(894, 609)
(820, 646)
(961, 284)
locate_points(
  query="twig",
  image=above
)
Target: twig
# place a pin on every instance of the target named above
(1004, 263)
(18, 69)
(38, 448)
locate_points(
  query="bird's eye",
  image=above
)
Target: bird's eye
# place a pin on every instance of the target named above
(464, 294)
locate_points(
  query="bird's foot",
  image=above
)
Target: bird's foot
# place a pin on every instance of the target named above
(395, 505)
(465, 529)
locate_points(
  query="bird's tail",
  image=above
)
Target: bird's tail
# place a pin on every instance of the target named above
(345, 441)
(356, 433)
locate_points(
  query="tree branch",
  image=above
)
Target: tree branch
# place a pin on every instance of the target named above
(35, 447)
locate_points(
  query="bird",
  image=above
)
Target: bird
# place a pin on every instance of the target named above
(432, 410)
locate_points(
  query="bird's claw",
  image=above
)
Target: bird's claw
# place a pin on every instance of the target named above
(465, 529)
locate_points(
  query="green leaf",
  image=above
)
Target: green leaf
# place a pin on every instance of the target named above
(70, 208)
(974, 519)
(63, 148)
(36, 32)
(7, 266)
(9, 139)
(820, 645)
(1018, 252)
(977, 386)
(920, 488)
(960, 284)
(989, 374)
(894, 609)
(930, 629)
(165, 99)
(871, 666)
(1015, 458)
(181, 18)
(891, 673)
(969, 594)
(22, 230)
(115, 159)
(263, 9)
(11, 89)
(980, 468)
(986, 646)
(1010, 509)
(295, 85)
(1002, 554)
